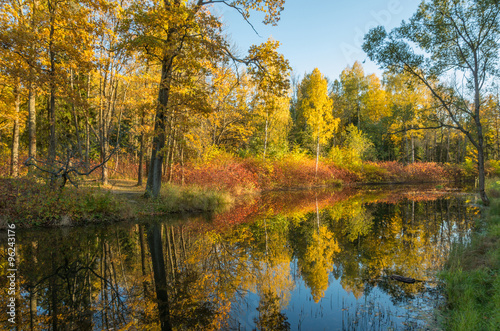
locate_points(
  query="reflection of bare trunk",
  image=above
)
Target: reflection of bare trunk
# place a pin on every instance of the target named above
(32, 289)
(33, 307)
(174, 249)
(140, 173)
(265, 228)
(317, 213)
(160, 277)
(183, 242)
(53, 289)
(104, 286)
(143, 259)
(170, 254)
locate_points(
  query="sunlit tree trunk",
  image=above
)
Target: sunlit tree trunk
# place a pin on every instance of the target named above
(32, 120)
(317, 154)
(52, 97)
(75, 116)
(140, 172)
(412, 148)
(265, 139)
(153, 185)
(14, 162)
(87, 126)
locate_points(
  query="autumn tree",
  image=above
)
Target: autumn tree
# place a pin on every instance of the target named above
(163, 30)
(316, 109)
(457, 41)
(409, 102)
(271, 80)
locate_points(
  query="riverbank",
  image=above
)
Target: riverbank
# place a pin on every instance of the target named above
(199, 187)
(471, 276)
(30, 203)
(237, 175)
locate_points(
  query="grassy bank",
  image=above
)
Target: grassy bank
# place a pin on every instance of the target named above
(31, 203)
(472, 282)
(208, 185)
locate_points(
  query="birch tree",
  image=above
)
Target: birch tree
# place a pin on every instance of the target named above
(316, 108)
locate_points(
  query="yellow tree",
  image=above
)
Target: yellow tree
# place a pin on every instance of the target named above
(409, 102)
(16, 44)
(226, 125)
(272, 84)
(316, 109)
(164, 30)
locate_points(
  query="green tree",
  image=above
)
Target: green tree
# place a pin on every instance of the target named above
(460, 38)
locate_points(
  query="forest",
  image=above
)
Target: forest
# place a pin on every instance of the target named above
(154, 89)
(146, 112)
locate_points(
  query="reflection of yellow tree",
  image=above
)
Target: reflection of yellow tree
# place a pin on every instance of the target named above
(274, 281)
(357, 220)
(317, 263)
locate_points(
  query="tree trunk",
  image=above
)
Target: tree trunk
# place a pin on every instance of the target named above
(104, 153)
(182, 166)
(140, 172)
(265, 140)
(75, 117)
(412, 148)
(359, 116)
(87, 126)
(406, 148)
(480, 141)
(14, 161)
(153, 185)
(103, 134)
(317, 154)
(171, 157)
(52, 98)
(32, 120)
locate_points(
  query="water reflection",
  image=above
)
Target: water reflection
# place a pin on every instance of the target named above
(307, 260)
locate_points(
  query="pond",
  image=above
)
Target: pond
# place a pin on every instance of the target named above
(302, 260)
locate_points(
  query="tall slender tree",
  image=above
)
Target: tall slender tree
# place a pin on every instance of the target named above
(316, 107)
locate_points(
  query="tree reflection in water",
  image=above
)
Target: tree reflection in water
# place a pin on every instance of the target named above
(294, 252)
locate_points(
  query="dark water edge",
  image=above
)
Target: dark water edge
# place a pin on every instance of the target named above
(306, 260)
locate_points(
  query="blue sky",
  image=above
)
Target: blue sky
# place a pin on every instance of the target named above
(326, 34)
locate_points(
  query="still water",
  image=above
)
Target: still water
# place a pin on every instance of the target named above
(306, 260)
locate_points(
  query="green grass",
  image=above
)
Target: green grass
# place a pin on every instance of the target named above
(472, 285)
